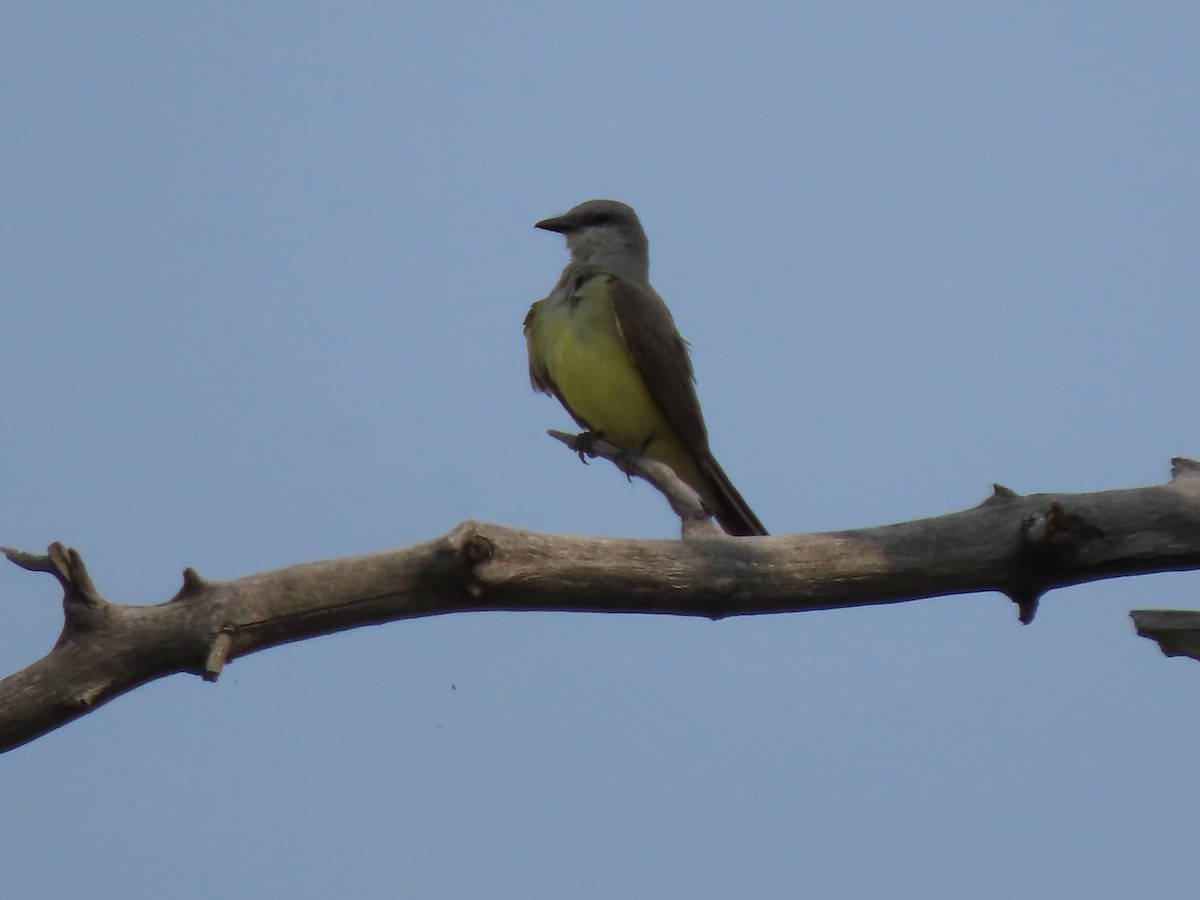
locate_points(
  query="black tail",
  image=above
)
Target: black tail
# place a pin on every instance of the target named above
(733, 512)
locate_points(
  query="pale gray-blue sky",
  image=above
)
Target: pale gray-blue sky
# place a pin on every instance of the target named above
(263, 274)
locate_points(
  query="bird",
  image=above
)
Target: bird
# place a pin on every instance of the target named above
(604, 343)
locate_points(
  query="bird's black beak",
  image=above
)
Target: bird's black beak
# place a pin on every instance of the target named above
(554, 223)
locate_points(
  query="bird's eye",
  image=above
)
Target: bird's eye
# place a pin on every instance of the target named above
(601, 218)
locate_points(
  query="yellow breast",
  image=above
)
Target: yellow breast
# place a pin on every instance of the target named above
(586, 357)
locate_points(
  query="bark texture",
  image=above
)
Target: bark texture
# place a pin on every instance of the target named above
(1021, 546)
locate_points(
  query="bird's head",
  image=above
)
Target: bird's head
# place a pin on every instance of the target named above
(606, 233)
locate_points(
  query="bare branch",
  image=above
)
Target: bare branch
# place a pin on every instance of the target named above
(695, 521)
(1177, 631)
(1019, 546)
(218, 655)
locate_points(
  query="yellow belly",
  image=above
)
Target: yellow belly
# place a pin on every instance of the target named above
(588, 361)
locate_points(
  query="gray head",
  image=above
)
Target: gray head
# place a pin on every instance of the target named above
(606, 233)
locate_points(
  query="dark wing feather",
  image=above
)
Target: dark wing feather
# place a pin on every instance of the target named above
(539, 378)
(661, 355)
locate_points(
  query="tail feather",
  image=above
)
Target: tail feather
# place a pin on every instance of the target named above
(728, 506)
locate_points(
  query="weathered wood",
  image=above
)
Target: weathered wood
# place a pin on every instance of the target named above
(1177, 631)
(1021, 546)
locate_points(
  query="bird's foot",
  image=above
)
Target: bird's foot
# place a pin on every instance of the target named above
(628, 459)
(585, 443)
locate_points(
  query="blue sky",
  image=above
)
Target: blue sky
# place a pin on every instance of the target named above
(263, 269)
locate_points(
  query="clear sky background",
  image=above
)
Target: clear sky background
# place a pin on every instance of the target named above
(263, 269)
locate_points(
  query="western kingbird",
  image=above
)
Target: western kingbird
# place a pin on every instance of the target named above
(604, 343)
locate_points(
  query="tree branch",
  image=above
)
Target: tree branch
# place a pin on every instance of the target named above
(694, 521)
(1019, 546)
(1177, 631)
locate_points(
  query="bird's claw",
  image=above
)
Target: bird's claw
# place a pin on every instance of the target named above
(585, 443)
